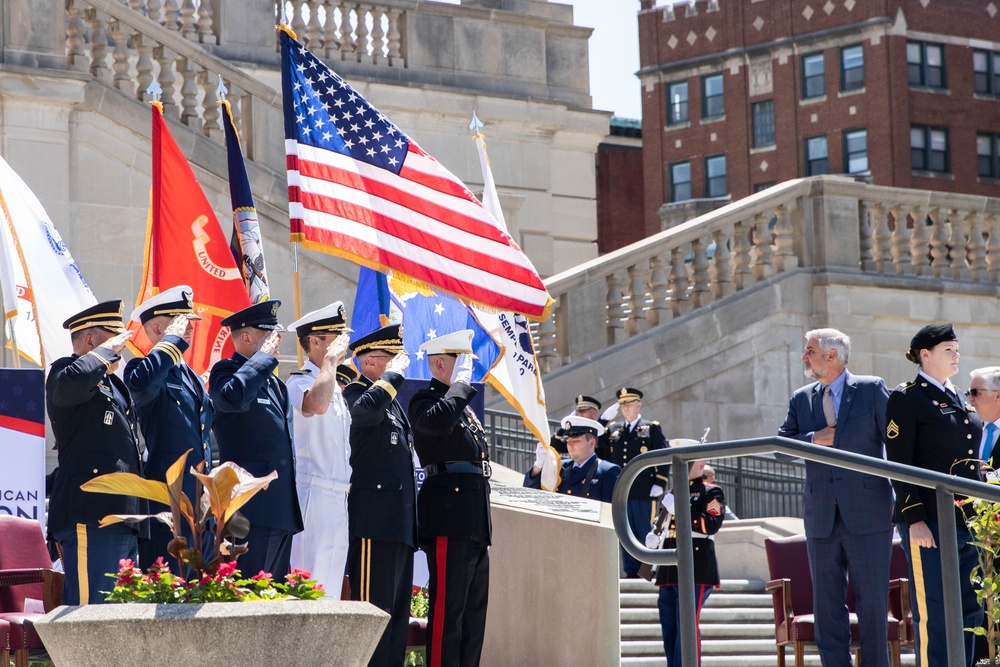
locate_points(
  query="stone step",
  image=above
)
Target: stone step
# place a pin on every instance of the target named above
(708, 615)
(811, 660)
(650, 631)
(728, 647)
(715, 600)
(728, 586)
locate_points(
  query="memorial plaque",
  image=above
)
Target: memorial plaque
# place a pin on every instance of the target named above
(546, 502)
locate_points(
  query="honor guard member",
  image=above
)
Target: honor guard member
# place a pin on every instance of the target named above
(175, 414)
(628, 439)
(345, 375)
(585, 474)
(322, 445)
(708, 507)
(94, 425)
(929, 425)
(453, 508)
(382, 505)
(587, 407)
(253, 426)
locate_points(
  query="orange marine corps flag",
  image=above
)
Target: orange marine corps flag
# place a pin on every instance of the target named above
(186, 246)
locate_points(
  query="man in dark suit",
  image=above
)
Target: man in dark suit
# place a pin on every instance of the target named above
(382, 504)
(634, 436)
(253, 426)
(174, 411)
(848, 515)
(984, 395)
(453, 507)
(93, 422)
(585, 474)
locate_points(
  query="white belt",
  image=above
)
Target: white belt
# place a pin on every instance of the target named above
(328, 484)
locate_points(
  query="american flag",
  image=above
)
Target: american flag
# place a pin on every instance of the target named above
(359, 188)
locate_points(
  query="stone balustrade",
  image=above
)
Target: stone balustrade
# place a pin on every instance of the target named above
(125, 46)
(193, 19)
(818, 224)
(363, 32)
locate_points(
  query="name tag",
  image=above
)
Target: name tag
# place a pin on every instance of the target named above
(264, 401)
(947, 410)
(175, 386)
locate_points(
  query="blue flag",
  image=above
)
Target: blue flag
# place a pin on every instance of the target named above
(382, 300)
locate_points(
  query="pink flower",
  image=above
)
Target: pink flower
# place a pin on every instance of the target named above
(126, 564)
(262, 576)
(304, 574)
(226, 569)
(318, 587)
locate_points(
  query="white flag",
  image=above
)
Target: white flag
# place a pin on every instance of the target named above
(38, 268)
(515, 374)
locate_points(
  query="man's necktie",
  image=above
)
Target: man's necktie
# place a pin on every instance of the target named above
(988, 445)
(828, 410)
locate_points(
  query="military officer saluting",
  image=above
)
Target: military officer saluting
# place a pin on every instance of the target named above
(454, 503)
(634, 436)
(930, 425)
(94, 425)
(585, 474)
(253, 426)
(322, 445)
(174, 411)
(382, 505)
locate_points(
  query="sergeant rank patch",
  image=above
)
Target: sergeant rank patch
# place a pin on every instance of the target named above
(892, 430)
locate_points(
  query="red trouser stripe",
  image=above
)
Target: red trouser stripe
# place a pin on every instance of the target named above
(699, 601)
(441, 551)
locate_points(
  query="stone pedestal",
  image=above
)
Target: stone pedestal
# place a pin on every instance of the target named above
(305, 634)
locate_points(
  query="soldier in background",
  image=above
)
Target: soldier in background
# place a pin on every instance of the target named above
(454, 503)
(253, 426)
(174, 411)
(322, 446)
(629, 438)
(382, 505)
(588, 407)
(93, 421)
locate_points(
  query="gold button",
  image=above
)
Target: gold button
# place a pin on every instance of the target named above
(456, 489)
(569, 492)
(966, 421)
(970, 451)
(969, 437)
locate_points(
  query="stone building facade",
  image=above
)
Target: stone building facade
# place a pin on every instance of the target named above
(741, 94)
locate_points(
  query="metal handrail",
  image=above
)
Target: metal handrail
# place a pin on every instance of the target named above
(945, 488)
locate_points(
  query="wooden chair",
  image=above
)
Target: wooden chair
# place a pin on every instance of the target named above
(25, 572)
(791, 595)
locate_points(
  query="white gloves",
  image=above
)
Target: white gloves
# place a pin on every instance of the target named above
(668, 502)
(611, 412)
(652, 540)
(656, 491)
(399, 363)
(463, 369)
(541, 453)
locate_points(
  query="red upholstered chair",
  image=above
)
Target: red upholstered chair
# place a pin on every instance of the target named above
(416, 637)
(899, 594)
(791, 595)
(25, 572)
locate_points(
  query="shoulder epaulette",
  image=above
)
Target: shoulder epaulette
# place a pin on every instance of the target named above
(298, 373)
(657, 423)
(905, 385)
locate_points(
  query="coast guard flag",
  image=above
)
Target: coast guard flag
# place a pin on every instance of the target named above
(42, 285)
(359, 188)
(185, 246)
(245, 243)
(382, 300)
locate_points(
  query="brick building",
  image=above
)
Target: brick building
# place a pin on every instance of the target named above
(620, 203)
(741, 94)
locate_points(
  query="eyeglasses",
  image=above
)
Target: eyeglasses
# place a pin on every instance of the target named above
(975, 393)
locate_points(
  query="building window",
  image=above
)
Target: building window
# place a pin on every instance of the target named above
(813, 81)
(816, 156)
(677, 103)
(929, 148)
(680, 181)
(856, 151)
(925, 64)
(986, 72)
(763, 123)
(760, 187)
(715, 176)
(852, 67)
(712, 104)
(988, 155)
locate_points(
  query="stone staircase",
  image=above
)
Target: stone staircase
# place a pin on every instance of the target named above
(737, 627)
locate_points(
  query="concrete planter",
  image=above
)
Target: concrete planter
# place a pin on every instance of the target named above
(273, 634)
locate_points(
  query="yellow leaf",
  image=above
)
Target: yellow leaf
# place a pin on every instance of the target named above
(175, 487)
(128, 484)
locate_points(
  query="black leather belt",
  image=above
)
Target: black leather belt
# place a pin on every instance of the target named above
(481, 468)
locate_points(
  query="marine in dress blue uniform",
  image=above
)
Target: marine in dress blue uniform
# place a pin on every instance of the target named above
(584, 474)
(708, 508)
(453, 507)
(930, 425)
(253, 427)
(94, 424)
(382, 504)
(629, 438)
(174, 412)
